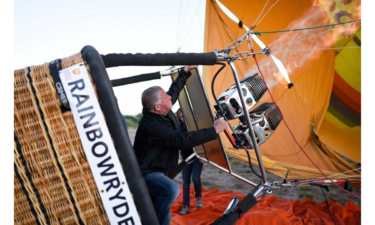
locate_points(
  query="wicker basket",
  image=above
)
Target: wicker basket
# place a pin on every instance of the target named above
(53, 183)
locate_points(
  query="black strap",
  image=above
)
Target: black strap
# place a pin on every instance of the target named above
(54, 70)
(172, 173)
(320, 185)
(348, 186)
(248, 202)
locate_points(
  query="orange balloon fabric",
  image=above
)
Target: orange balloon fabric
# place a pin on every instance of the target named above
(320, 133)
(269, 210)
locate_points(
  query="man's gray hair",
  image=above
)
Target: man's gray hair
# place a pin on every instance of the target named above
(151, 97)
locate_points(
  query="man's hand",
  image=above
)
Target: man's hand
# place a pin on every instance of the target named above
(220, 125)
(187, 68)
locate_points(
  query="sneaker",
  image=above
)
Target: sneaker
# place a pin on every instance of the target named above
(199, 203)
(184, 210)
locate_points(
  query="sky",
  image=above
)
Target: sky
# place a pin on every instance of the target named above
(48, 30)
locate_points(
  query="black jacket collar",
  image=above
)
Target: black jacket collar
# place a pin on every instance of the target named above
(170, 117)
(155, 115)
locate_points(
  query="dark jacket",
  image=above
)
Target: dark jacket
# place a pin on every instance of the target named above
(160, 137)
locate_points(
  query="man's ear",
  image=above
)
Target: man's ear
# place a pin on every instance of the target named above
(157, 108)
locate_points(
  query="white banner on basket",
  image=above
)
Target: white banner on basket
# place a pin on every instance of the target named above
(98, 146)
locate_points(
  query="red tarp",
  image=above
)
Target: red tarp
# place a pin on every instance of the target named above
(269, 210)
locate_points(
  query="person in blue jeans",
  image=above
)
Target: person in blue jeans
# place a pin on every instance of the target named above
(193, 171)
(159, 139)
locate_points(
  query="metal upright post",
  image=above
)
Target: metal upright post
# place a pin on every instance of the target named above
(259, 157)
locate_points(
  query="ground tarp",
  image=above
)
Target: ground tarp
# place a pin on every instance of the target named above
(269, 210)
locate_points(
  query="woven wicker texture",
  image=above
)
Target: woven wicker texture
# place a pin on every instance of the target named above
(22, 208)
(59, 139)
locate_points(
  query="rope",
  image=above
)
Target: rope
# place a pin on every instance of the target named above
(234, 154)
(329, 211)
(180, 46)
(305, 38)
(302, 22)
(183, 22)
(267, 12)
(353, 180)
(260, 12)
(195, 31)
(307, 28)
(256, 61)
(178, 25)
(316, 49)
(337, 174)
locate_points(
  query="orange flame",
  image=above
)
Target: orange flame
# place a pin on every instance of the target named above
(287, 49)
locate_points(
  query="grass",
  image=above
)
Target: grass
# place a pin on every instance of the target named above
(133, 121)
(305, 197)
(304, 188)
(333, 192)
(234, 162)
(239, 186)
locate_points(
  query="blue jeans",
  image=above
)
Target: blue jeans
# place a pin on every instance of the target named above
(195, 169)
(163, 192)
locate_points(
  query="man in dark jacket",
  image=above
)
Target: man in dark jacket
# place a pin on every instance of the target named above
(159, 139)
